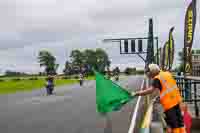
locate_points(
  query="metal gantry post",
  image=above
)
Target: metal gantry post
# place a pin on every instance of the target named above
(150, 46)
(157, 51)
(195, 101)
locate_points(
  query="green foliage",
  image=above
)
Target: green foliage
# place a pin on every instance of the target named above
(33, 78)
(198, 51)
(10, 73)
(140, 72)
(68, 68)
(90, 59)
(77, 57)
(193, 51)
(76, 77)
(83, 61)
(16, 79)
(102, 60)
(181, 56)
(130, 71)
(180, 68)
(47, 60)
(66, 77)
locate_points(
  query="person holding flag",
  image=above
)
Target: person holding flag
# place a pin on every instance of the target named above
(170, 97)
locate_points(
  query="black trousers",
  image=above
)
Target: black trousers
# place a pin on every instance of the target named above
(174, 118)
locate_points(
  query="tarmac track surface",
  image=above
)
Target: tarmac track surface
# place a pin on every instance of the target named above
(71, 110)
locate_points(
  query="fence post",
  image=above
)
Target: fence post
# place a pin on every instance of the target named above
(182, 88)
(190, 86)
(186, 90)
(195, 100)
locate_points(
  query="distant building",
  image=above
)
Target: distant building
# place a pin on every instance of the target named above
(196, 62)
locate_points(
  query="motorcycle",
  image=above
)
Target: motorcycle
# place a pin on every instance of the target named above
(49, 89)
(81, 82)
(116, 78)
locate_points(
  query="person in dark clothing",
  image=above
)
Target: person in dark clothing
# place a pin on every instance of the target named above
(50, 85)
(81, 79)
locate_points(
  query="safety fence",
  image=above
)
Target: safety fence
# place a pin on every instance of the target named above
(144, 113)
(146, 123)
(136, 116)
(190, 91)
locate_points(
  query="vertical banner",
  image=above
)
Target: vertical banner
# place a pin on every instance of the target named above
(162, 58)
(171, 48)
(166, 56)
(168, 52)
(190, 22)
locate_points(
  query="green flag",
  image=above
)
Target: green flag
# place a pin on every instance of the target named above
(109, 96)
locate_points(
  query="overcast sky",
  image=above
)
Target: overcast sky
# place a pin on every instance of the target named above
(27, 26)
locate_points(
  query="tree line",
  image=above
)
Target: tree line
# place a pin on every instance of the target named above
(80, 61)
(84, 61)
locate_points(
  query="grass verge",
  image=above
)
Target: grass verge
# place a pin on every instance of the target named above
(10, 86)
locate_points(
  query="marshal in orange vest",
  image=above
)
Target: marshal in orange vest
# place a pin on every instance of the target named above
(169, 95)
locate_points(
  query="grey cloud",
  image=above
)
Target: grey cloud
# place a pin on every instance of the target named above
(60, 26)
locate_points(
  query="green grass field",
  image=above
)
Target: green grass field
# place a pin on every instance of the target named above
(11, 86)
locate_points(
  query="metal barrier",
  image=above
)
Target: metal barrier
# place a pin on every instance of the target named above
(139, 111)
(190, 91)
(145, 126)
(134, 119)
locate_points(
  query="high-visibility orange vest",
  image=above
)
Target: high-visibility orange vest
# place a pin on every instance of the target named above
(169, 95)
